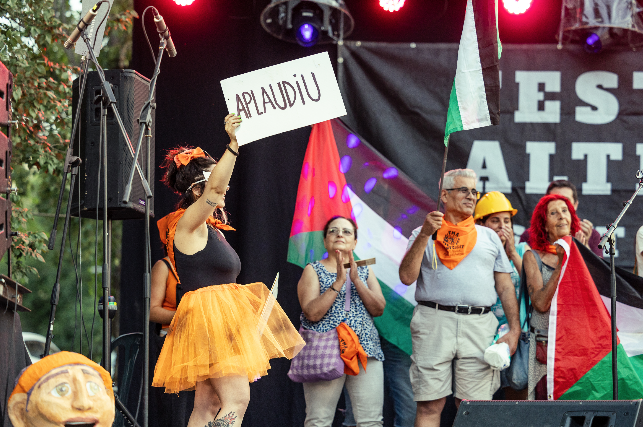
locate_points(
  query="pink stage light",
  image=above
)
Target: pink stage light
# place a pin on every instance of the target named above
(516, 6)
(184, 2)
(392, 5)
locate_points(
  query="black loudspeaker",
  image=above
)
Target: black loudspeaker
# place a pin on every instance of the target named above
(131, 91)
(559, 413)
(6, 86)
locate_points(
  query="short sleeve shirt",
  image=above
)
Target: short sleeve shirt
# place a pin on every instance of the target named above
(472, 281)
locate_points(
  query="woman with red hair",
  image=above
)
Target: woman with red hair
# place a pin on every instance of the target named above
(554, 217)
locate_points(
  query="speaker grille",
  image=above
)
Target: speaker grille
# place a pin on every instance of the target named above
(131, 91)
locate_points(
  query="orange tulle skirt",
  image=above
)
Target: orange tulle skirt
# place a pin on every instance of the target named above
(224, 330)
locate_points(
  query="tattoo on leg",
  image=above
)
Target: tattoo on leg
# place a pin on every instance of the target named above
(226, 421)
(211, 203)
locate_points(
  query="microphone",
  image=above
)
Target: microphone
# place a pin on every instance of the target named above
(84, 23)
(165, 33)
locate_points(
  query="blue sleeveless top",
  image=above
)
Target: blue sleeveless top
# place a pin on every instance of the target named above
(357, 318)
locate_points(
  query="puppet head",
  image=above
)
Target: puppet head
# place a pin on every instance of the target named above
(63, 389)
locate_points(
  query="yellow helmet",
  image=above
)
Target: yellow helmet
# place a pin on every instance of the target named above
(491, 203)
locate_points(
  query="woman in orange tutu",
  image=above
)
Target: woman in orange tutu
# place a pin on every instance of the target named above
(220, 337)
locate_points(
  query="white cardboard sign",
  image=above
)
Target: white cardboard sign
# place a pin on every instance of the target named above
(284, 97)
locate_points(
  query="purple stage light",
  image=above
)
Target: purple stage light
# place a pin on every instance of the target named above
(390, 173)
(307, 35)
(352, 141)
(345, 164)
(370, 184)
(332, 189)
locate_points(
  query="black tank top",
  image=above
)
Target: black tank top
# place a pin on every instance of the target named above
(216, 264)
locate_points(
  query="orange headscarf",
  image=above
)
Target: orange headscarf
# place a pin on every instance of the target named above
(454, 242)
(33, 373)
(351, 350)
(186, 156)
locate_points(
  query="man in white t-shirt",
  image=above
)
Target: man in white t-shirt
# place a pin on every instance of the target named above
(459, 277)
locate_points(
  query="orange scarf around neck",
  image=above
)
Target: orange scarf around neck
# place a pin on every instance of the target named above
(551, 249)
(454, 242)
(351, 350)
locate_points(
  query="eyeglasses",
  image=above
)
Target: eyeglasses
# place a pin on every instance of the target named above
(344, 231)
(466, 191)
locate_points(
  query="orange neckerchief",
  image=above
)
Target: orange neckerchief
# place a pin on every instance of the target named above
(351, 350)
(551, 249)
(454, 242)
(167, 229)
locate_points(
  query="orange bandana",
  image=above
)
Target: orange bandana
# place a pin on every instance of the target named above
(454, 242)
(351, 350)
(551, 249)
(167, 229)
(186, 156)
(33, 373)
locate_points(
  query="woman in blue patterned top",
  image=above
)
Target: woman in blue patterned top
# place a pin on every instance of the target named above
(322, 295)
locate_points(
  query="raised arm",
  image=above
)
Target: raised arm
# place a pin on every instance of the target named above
(159, 314)
(412, 261)
(217, 184)
(370, 293)
(539, 293)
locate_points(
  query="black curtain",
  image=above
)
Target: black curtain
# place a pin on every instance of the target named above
(219, 39)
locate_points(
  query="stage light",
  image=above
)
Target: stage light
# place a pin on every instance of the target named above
(516, 6)
(391, 5)
(599, 25)
(307, 22)
(593, 43)
(184, 2)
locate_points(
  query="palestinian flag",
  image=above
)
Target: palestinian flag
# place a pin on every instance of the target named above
(579, 352)
(343, 175)
(475, 96)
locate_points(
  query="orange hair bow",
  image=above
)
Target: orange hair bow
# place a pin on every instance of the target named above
(186, 156)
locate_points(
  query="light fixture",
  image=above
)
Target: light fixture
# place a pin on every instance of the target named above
(516, 7)
(184, 2)
(595, 24)
(391, 5)
(593, 43)
(307, 22)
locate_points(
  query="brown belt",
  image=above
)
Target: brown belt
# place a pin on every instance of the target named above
(460, 308)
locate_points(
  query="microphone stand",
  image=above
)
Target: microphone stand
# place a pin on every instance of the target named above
(83, 76)
(71, 165)
(108, 99)
(145, 129)
(609, 237)
(74, 162)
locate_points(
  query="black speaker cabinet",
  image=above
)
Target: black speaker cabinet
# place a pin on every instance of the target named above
(559, 413)
(131, 91)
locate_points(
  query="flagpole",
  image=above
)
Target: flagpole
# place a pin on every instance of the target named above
(444, 165)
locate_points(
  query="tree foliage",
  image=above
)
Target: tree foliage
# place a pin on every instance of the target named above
(32, 33)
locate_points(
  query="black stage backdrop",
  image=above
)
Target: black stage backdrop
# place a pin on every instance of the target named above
(216, 40)
(564, 115)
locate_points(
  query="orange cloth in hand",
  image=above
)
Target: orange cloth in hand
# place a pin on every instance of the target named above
(351, 350)
(454, 242)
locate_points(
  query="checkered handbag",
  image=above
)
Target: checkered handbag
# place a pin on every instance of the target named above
(319, 360)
